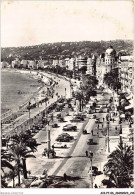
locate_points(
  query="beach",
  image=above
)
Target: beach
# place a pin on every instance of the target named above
(16, 88)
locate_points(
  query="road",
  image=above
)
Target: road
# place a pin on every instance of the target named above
(73, 160)
(78, 164)
(62, 89)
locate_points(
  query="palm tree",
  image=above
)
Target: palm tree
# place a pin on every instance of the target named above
(20, 152)
(26, 138)
(5, 158)
(120, 166)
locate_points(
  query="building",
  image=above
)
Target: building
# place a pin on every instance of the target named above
(16, 63)
(67, 63)
(32, 64)
(71, 65)
(105, 63)
(55, 62)
(91, 66)
(41, 64)
(62, 63)
(126, 73)
(4, 64)
(81, 61)
(24, 63)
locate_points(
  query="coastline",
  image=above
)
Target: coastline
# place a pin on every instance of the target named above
(31, 74)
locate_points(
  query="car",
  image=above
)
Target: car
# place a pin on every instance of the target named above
(58, 116)
(59, 145)
(90, 141)
(94, 170)
(65, 137)
(69, 127)
(81, 115)
(94, 116)
(61, 119)
(89, 111)
(54, 125)
(74, 119)
(84, 131)
(78, 118)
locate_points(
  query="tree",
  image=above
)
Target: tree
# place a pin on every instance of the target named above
(26, 138)
(20, 152)
(112, 79)
(120, 166)
(5, 158)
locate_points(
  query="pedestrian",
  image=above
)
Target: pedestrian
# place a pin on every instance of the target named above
(116, 128)
(48, 154)
(86, 153)
(92, 131)
(102, 125)
(103, 119)
(65, 177)
(95, 186)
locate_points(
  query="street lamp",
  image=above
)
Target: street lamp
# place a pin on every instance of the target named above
(108, 122)
(90, 171)
(65, 93)
(29, 109)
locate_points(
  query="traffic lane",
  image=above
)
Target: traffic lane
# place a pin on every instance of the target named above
(78, 153)
(32, 164)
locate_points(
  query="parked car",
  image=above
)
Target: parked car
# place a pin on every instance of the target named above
(69, 127)
(75, 119)
(90, 142)
(58, 116)
(59, 145)
(61, 119)
(55, 125)
(94, 170)
(84, 131)
(65, 137)
(94, 116)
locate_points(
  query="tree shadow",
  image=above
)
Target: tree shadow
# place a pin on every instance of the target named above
(62, 182)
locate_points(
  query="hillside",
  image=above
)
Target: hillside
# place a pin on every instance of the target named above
(64, 49)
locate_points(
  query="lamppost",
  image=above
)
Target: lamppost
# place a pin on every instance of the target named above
(90, 171)
(108, 122)
(65, 93)
(29, 109)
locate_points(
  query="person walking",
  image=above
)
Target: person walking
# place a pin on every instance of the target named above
(92, 131)
(102, 125)
(65, 177)
(86, 153)
(103, 119)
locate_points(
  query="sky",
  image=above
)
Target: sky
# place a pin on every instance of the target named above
(25, 23)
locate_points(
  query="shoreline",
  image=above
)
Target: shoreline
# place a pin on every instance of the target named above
(31, 74)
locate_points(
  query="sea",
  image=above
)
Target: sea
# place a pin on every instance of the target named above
(16, 89)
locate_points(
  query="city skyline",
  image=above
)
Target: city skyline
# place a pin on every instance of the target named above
(48, 22)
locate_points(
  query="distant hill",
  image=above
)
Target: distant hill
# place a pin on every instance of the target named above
(62, 50)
